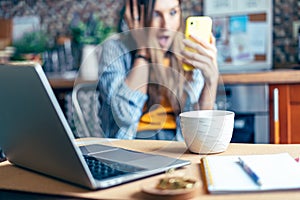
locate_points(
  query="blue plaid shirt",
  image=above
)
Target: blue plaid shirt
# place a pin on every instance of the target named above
(121, 107)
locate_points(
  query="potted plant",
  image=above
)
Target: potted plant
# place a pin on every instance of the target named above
(91, 32)
(31, 45)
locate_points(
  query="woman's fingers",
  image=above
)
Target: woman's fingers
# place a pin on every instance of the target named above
(128, 12)
(134, 14)
(202, 55)
(132, 17)
(203, 63)
(199, 41)
(135, 11)
(200, 47)
(196, 48)
(195, 59)
(142, 14)
(212, 39)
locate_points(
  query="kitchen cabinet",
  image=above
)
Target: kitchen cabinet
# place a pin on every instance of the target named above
(288, 113)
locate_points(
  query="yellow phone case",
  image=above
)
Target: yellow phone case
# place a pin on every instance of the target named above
(200, 26)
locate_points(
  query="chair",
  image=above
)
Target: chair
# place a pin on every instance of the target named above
(85, 107)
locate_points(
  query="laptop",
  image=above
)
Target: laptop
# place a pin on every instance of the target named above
(35, 134)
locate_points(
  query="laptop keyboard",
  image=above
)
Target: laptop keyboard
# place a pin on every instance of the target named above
(101, 169)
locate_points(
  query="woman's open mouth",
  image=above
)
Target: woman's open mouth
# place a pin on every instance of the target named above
(163, 41)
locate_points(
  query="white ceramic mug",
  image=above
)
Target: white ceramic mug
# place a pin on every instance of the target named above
(207, 131)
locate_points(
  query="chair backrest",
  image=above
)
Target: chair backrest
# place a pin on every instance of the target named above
(86, 107)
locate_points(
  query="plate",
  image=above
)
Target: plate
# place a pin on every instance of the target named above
(151, 189)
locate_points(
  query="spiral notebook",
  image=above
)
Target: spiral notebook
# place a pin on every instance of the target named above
(226, 174)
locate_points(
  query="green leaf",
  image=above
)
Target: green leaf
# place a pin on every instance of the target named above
(32, 42)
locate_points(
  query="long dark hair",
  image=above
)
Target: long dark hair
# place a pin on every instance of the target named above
(168, 81)
(162, 81)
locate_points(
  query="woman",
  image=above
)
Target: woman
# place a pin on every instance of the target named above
(143, 87)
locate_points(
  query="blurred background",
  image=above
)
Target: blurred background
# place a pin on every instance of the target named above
(59, 21)
(59, 33)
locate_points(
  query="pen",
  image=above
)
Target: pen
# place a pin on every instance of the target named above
(250, 172)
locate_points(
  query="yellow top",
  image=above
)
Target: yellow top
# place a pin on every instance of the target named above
(162, 117)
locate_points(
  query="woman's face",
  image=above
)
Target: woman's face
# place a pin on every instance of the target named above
(166, 17)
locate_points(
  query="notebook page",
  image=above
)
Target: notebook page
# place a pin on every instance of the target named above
(276, 171)
(227, 175)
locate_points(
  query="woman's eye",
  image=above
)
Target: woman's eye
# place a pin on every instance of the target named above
(173, 12)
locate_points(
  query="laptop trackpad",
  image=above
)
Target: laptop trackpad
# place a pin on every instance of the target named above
(95, 148)
(120, 155)
(154, 162)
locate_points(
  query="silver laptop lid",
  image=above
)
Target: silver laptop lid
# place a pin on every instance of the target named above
(35, 134)
(32, 120)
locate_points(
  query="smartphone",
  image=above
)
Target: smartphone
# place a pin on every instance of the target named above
(200, 26)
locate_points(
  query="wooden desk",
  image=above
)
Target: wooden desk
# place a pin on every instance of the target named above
(17, 179)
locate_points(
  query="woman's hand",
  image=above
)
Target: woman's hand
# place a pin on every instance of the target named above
(204, 58)
(134, 17)
(137, 78)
